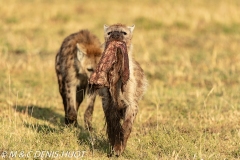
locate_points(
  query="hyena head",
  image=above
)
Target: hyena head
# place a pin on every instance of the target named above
(119, 32)
(88, 56)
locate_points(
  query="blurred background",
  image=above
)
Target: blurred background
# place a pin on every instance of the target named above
(189, 51)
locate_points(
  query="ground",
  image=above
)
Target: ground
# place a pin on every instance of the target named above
(189, 51)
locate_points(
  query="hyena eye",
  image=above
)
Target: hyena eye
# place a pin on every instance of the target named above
(90, 69)
(109, 33)
(125, 33)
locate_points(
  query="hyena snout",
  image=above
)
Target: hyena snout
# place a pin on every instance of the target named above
(90, 70)
(116, 35)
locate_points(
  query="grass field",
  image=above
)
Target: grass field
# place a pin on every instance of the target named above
(189, 50)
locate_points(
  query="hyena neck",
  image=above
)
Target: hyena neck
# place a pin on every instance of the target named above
(129, 49)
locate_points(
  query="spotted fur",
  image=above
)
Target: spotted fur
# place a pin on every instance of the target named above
(75, 62)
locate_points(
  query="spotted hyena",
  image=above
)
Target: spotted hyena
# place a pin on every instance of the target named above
(75, 62)
(121, 115)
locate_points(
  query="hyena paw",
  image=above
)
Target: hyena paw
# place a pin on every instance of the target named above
(118, 149)
(71, 121)
(89, 127)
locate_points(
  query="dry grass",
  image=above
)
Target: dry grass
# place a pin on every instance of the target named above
(188, 49)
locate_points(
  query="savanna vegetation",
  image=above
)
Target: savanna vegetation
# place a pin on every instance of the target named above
(189, 51)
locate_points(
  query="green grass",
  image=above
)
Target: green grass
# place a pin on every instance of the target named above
(189, 51)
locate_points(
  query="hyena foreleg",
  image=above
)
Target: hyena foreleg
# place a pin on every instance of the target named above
(80, 93)
(129, 117)
(113, 118)
(68, 94)
(89, 111)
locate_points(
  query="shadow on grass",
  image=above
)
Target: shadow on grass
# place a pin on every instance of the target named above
(42, 128)
(46, 114)
(98, 143)
(95, 141)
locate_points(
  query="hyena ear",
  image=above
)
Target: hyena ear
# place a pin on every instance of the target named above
(131, 28)
(105, 27)
(80, 52)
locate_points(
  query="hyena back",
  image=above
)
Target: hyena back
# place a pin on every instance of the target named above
(74, 63)
(126, 107)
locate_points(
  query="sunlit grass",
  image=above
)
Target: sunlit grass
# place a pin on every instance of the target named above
(189, 51)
